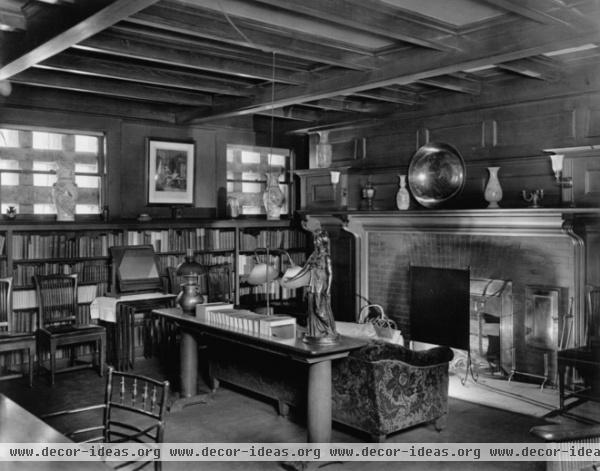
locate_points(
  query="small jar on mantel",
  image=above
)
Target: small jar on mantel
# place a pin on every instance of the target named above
(403, 196)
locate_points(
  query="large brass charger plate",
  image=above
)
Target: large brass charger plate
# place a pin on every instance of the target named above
(436, 174)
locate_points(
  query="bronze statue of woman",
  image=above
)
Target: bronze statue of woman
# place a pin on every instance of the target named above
(320, 324)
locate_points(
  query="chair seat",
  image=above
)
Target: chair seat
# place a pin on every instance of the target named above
(7, 337)
(75, 330)
(14, 342)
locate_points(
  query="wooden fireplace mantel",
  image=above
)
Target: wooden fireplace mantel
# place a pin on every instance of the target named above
(525, 219)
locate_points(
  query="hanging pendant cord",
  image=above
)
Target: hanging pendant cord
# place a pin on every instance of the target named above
(271, 131)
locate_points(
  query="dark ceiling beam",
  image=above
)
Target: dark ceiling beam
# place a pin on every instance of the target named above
(91, 25)
(418, 65)
(130, 47)
(365, 18)
(293, 113)
(537, 68)
(109, 87)
(215, 27)
(74, 63)
(391, 96)
(54, 2)
(455, 84)
(207, 46)
(542, 11)
(11, 16)
(83, 103)
(345, 104)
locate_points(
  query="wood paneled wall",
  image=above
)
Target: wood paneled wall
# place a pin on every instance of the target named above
(506, 126)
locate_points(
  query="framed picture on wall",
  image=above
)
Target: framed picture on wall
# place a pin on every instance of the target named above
(170, 171)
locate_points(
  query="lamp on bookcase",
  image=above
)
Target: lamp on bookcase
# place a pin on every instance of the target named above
(190, 270)
(264, 273)
(189, 267)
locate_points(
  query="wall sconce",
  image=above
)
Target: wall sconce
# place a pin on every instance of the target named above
(563, 182)
(334, 175)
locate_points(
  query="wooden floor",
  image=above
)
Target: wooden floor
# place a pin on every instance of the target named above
(235, 417)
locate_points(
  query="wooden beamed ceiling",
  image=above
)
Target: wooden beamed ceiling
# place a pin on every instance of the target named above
(313, 63)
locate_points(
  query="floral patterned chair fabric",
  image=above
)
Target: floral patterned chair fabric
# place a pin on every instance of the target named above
(383, 388)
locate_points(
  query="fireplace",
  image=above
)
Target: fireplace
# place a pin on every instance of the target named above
(536, 256)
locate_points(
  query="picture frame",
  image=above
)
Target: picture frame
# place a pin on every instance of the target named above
(170, 171)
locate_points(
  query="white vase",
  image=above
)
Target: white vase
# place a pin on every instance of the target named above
(402, 197)
(64, 194)
(493, 190)
(273, 197)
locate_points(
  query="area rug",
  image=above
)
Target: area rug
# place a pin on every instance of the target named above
(514, 396)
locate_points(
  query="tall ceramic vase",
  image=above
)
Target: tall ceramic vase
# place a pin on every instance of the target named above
(273, 197)
(493, 190)
(64, 194)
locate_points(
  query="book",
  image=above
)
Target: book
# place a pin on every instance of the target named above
(278, 326)
(202, 310)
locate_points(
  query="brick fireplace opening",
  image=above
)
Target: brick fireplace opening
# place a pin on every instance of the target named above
(529, 266)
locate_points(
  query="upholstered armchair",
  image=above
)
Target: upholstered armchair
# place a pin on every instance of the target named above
(383, 388)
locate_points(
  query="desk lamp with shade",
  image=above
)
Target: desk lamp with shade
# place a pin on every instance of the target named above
(264, 273)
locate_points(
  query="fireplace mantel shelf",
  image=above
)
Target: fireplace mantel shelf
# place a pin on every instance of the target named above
(538, 220)
(458, 212)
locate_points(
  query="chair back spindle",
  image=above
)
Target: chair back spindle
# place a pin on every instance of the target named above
(136, 411)
(57, 296)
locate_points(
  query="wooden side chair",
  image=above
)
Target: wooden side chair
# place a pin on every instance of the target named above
(59, 326)
(11, 340)
(134, 411)
(219, 283)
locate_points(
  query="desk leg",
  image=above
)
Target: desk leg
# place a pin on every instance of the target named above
(189, 365)
(561, 384)
(319, 402)
(189, 374)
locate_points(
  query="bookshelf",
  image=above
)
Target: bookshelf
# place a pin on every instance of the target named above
(29, 248)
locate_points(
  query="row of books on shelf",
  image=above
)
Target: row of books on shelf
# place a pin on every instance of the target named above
(27, 298)
(63, 245)
(179, 240)
(280, 239)
(87, 272)
(224, 316)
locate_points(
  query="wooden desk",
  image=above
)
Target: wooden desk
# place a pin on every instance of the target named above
(18, 425)
(316, 357)
(119, 316)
